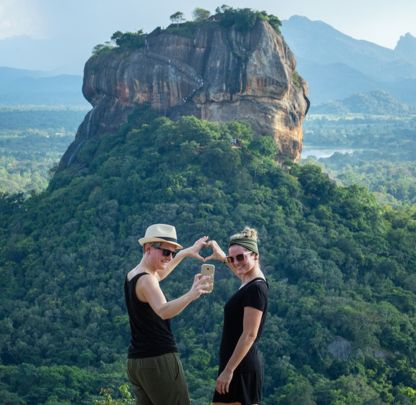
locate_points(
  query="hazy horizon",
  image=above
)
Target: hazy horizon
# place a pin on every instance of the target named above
(63, 34)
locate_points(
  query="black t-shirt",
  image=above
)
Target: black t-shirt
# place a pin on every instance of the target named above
(150, 335)
(255, 295)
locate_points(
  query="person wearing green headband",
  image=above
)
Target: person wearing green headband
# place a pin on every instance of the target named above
(240, 374)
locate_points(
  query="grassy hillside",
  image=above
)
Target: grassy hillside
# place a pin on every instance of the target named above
(341, 327)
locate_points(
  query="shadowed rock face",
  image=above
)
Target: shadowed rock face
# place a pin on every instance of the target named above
(219, 75)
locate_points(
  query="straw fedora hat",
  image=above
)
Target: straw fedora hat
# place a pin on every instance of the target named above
(160, 233)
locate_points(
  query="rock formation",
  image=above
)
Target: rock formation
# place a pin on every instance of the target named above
(218, 74)
(406, 47)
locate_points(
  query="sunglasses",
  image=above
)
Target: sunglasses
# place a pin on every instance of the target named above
(165, 252)
(238, 258)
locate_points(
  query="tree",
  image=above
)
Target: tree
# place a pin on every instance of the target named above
(101, 47)
(222, 9)
(200, 14)
(116, 36)
(129, 39)
(177, 17)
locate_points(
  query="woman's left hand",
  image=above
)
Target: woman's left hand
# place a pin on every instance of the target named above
(222, 385)
(217, 252)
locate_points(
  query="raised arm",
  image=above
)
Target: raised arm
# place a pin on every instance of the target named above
(192, 251)
(148, 290)
(251, 325)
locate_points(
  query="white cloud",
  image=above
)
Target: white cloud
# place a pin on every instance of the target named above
(20, 17)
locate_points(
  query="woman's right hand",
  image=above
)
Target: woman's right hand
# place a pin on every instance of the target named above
(201, 285)
(217, 252)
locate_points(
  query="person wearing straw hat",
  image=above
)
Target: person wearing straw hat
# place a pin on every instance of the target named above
(153, 365)
(240, 376)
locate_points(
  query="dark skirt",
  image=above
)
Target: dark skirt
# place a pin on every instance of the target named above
(245, 387)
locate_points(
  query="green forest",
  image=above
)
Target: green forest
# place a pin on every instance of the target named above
(382, 152)
(341, 327)
(32, 140)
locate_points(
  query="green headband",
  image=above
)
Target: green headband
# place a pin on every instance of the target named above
(247, 243)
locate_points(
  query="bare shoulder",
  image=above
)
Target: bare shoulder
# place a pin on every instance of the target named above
(148, 289)
(147, 282)
(146, 285)
(149, 279)
(132, 273)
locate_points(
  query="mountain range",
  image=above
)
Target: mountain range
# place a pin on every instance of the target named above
(20, 86)
(373, 102)
(334, 64)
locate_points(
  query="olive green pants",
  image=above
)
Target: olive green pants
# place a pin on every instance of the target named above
(158, 380)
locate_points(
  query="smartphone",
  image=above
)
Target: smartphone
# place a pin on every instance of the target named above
(208, 270)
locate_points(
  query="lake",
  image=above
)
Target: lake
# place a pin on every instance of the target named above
(324, 152)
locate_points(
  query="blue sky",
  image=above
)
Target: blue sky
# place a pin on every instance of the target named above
(78, 25)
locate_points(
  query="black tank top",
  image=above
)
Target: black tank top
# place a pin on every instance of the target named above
(150, 334)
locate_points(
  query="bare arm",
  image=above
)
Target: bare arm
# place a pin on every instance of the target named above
(251, 324)
(192, 251)
(149, 289)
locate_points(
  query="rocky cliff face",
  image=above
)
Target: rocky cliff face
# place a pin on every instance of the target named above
(406, 47)
(219, 74)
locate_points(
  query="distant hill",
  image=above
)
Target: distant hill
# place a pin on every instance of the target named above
(374, 102)
(19, 86)
(337, 65)
(333, 81)
(406, 48)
